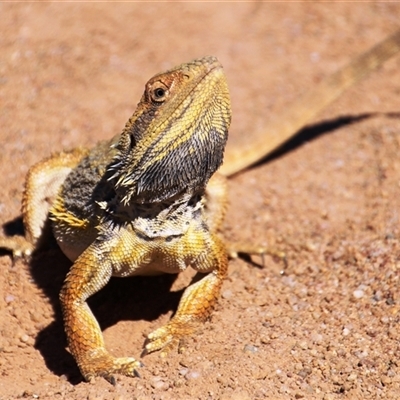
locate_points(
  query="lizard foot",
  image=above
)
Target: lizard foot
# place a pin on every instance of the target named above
(168, 337)
(18, 246)
(105, 366)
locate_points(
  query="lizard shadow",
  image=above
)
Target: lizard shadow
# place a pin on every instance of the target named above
(131, 299)
(311, 132)
(12, 228)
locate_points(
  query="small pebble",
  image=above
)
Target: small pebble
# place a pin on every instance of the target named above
(35, 316)
(378, 295)
(179, 383)
(159, 384)
(284, 389)
(303, 345)
(249, 348)
(345, 331)
(192, 375)
(305, 372)
(316, 337)
(352, 377)
(24, 338)
(361, 354)
(358, 294)
(227, 294)
(9, 298)
(391, 373)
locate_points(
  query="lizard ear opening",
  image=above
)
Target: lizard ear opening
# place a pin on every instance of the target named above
(132, 143)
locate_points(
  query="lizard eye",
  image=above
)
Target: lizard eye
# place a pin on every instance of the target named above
(159, 93)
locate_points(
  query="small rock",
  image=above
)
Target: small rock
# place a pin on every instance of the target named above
(391, 373)
(304, 372)
(183, 371)
(249, 348)
(361, 354)
(192, 374)
(358, 294)
(284, 389)
(352, 377)
(35, 316)
(227, 294)
(316, 337)
(378, 295)
(179, 383)
(159, 384)
(303, 345)
(9, 298)
(24, 338)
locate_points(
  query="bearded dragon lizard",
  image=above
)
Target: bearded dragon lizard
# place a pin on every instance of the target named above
(149, 201)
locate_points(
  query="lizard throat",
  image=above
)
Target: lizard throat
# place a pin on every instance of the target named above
(167, 220)
(185, 169)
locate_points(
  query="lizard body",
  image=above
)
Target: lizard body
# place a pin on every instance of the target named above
(149, 201)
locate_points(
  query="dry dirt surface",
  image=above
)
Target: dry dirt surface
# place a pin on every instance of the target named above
(323, 325)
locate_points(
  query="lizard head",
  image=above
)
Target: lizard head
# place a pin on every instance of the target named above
(176, 138)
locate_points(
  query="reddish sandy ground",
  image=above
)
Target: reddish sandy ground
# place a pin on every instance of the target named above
(324, 326)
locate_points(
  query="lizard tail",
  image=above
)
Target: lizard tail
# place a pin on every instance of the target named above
(281, 129)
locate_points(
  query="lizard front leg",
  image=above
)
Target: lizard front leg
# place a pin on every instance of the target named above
(198, 299)
(216, 202)
(41, 187)
(90, 272)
